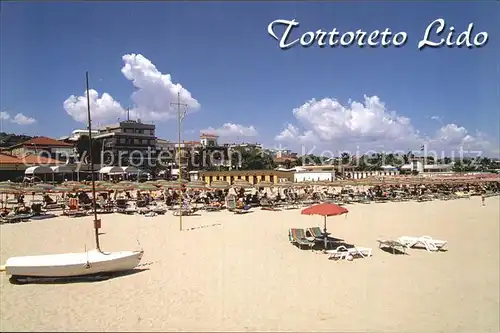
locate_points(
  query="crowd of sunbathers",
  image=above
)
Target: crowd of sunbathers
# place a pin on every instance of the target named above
(217, 199)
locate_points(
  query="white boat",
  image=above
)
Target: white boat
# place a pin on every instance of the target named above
(73, 264)
(86, 263)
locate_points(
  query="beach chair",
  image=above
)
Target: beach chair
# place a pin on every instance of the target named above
(16, 218)
(317, 234)
(343, 252)
(185, 211)
(243, 210)
(105, 207)
(430, 244)
(393, 245)
(298, 237)
(73, 209)
(159, 210)
(123, 207)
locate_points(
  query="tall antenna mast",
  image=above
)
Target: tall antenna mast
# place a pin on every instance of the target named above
(128, 114)
(180, 115)
(97, 222)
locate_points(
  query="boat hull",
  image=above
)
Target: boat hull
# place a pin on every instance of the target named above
(73, 264)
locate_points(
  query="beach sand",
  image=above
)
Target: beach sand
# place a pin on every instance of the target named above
(241, 273)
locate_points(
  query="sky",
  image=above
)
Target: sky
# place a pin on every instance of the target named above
(238, 83)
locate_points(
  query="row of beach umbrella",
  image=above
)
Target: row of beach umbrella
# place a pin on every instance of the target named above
(102, 186)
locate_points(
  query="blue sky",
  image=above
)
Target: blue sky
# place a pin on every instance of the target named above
(222, 54)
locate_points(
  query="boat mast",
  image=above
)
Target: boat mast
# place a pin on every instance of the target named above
(97, 222)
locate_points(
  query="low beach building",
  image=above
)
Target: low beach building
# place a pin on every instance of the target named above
(14, 167)
(252, 176)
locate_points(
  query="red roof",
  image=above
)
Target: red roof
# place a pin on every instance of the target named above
(36, 159)
(44, 141)
(8, 159)
(208, 136)
(28, 160)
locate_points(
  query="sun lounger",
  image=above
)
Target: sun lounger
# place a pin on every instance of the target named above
(270, 208)
(16, 218)
(244, 210)
(158, 210)
(393, 245)
(105, 207)
(316, 233)
(74, 212)
(186, 211)
(128, 210)
(428, 242)
(143, 210)
(343, 252)
(212, 208)
(298, 237)
(43, 216)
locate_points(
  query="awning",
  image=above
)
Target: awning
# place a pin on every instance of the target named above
(130, 170)
(62, 169)
(39, 170)
(111, 170)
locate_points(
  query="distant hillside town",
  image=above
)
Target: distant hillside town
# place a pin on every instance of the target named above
(131, 149)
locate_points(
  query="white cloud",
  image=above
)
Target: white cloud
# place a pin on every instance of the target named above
(4, 115)
(291, 133)
(232, 130)
(19, 118)
(153, 95)
(437, 118)
(370, 125)
(102, 108)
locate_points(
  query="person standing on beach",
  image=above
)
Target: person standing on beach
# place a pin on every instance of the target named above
(483, 197)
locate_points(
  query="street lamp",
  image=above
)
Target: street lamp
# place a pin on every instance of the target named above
(180, 116)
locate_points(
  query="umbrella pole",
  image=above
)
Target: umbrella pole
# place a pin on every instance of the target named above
(326, 237)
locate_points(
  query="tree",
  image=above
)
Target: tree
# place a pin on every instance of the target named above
(458, 167)
(252, 159)
(83, 147)
(345, 158)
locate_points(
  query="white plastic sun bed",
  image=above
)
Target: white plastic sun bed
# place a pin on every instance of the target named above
(342, 252)
(428, 242)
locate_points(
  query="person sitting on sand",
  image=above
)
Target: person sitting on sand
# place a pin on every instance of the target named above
(20, 199)
(21, 209)
(4, 212)
(240, 204)
(47, 200)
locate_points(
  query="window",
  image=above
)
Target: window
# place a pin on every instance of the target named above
(136, 141)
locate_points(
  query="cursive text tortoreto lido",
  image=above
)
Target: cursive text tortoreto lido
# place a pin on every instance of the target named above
(335, 38)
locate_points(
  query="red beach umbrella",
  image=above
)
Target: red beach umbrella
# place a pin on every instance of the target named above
(325, 210)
